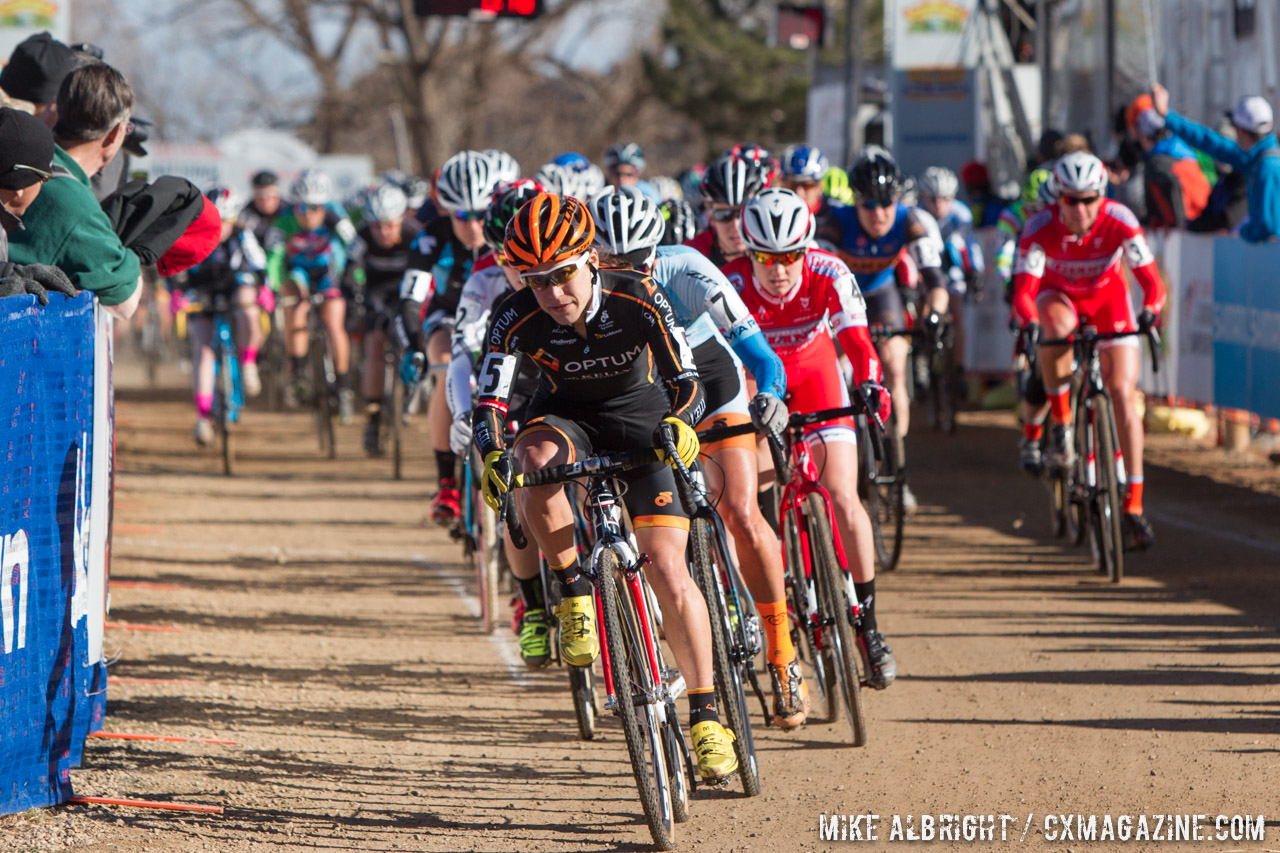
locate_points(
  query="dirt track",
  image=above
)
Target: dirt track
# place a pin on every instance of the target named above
(331, 634)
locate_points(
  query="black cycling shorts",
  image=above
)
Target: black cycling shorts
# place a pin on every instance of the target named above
(884, 307)
(719, 374)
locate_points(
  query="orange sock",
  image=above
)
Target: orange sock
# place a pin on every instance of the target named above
(777, 630)
(1060, 403)
(1133, 500)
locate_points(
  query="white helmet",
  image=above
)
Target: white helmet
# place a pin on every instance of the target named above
(312, 187)
(777, 220)
(504, 165)
(627, 220)
(557, 179)
(590, 181)
(466, 182)
(227, 201)
(667, 188)
(1079, 172)
(384, 202)
(938, 182)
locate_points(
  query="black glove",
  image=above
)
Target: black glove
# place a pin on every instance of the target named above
(35, 279)
(1148, 320)
(1031, 339)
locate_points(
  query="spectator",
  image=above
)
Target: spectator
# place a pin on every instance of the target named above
(26, 158)
(35, 70)
(1176, 190)
(1228, 200)
(1127, 173)
(1255, 154)
(65, 225)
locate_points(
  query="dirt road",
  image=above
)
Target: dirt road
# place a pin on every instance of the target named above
(331, 634)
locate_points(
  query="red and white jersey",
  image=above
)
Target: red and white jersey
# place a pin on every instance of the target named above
(1051, 258)
(798, 326)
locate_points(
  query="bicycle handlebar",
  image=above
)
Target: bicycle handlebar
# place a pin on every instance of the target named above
(1089, 336)
(603, 465)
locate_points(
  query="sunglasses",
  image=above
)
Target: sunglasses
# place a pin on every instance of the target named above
(40, 173)
(468, 215)
(1074, 200)
(794, 184)
(310, 208)
(724, 214)
(872, 204)
(557, 277)
(625, 172)
(768, 259)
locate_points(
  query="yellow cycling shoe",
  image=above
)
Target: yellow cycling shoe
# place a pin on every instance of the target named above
(579, 644)
(713, 745)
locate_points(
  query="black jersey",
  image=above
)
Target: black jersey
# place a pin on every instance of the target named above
(438, 267)
(383, 266)
(632, 341)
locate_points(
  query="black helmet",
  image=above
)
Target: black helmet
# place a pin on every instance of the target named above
(504, 206)
(682, 221)
(875, 176)
(265, 178)
(732, 180)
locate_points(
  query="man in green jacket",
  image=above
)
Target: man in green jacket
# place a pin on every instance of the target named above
(65, 226)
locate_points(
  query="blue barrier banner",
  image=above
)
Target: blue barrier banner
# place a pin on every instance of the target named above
(52, 690)
(1246, 326)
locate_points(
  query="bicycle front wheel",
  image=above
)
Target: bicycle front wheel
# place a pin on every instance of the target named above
(582, 685)
(633, 688)
(321, 396)
(397, 407)
(836, 606)
(884, 484)
(728, 675)
(1107, 506)
(807, 634)
(222, 413)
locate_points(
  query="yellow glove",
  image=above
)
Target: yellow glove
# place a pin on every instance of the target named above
(495, 482)
(687, 446)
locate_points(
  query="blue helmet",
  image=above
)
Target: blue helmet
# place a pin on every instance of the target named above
(573, 160)
(804, 163)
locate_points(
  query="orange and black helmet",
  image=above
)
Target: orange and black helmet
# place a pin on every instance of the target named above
(548, 229)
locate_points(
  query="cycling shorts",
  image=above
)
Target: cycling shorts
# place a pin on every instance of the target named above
(319, 281)
(884, 308)
(726, 385)
(1106, 307)
(650, 492)
(814, 383)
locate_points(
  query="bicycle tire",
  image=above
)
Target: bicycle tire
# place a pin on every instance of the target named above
(582, 687)
(728, 677)
(320, 396)
(1060, 506)
(835, 601)
(675, 751)
(484, 557)
(1109, 508)
(884, 477)
(630, 672)
(809, 642)
(222, 417)
(940, 397)
(392, 418)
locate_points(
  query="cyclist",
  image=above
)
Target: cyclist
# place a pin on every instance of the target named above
(804, 168)
(313, 255)
(486, 288)
(599, 336)
(729, 182)
(379, 258)
(984, 204)
(723, 336)
(800, 296)
(1068, 273)
(442, 258)
(876, 234)
(233, 269)
(259, 215)
(682, 222)
(623, 164)
(962, 259)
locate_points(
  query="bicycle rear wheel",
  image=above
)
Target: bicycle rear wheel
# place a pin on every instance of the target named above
(728, 675)
(836, 606)
(632, 686)
(1107, 506)
(882, 480)
(392, 419)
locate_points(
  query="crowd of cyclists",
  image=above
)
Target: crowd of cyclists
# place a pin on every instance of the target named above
(583, 309)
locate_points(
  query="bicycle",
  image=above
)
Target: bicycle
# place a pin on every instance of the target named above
(324, 388)
(477, 528)
(639, 687)
(228, 393)
(826, 607)
(1092, 484)
(938, 351)
(882, 477)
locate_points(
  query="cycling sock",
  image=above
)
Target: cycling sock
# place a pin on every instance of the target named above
(777, 631)
(866, 593)
(1060, 403)
(531, 593)
(1033, 430)
(702, 705)
(1133, 500)
(572, 582)
(767, 499)
(250, 355)
(445, 462)
(340, 382)
(299, 365)
(204, 404)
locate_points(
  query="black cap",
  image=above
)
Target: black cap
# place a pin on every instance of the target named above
(141, 133)
(36, 69)
(26, 149)
(265, 178)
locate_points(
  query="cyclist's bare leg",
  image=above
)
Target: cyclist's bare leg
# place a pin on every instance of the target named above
(438, 417)
(523, 562)
(374, 352)
(838, 462)
(684, 611)
(333, 313)
(893, 356)
(295, 319)
(1058, 319)
(545, 510)
(1120, 374)
(248, 323)
(732, 480)
(200, 331)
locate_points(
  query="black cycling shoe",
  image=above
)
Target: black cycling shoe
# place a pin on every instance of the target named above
(1138, 535)
(882, 669)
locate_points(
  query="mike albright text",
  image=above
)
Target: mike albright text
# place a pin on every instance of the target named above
(1052, 827)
